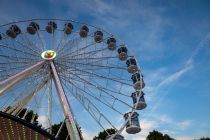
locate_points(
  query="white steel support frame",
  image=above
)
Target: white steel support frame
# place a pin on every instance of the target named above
(13, 80)
(69, 57)
(23, 73)
(50, 105)
(70, 122)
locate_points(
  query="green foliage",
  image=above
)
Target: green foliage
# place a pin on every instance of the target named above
(103, 135)
(155, 135)
(167, 137)
(64, 132)
(204, 138)
(29, 115)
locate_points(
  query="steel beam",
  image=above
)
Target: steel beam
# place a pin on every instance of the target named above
(22, 73)
(70, 122)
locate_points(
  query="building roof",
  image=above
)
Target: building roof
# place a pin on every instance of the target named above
(12, 128)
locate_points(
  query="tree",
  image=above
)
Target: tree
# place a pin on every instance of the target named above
(103, 135)
(204, 138)
(64, 132)
(30, 115)
(155, 135)
(167, 137)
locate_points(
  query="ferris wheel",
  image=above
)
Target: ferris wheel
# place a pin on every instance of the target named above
(47, 63)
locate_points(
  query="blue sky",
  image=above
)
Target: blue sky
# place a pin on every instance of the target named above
(171, 40)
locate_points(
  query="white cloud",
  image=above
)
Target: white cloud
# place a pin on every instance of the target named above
(44, 121)
(149, 124)
(168, 120)
(175, 76)
(184, 138)
(165, 119)
(196, 51)
(178, 74)
(169, 132)
(88, 135)
(163, 123)
(184, 124)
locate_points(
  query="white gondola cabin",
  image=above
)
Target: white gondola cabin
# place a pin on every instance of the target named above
(98, 36)
(141, 104)
(132, 66)
(83, 31)
(13, 31)
(68, 28)
(122, 51)
(138, 82)
(51, 27)
(111, 43)
(32, 28)
(132, 126)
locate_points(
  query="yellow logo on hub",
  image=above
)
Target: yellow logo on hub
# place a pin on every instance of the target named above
(48, 55)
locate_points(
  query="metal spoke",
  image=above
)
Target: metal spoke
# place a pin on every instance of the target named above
(92, 95)
(79, 49)
(31, 80)
(30, 44)
(28, 47)
(101, 76)
(17, 50)
(108, 90)
(64, 47)
(41, 41)
(81, 99)
(101, 89)
(90, 53)
(96, 65)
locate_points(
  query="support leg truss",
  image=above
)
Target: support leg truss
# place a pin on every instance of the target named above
(70, 123)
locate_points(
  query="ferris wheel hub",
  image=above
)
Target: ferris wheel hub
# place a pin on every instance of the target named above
(48, 54)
